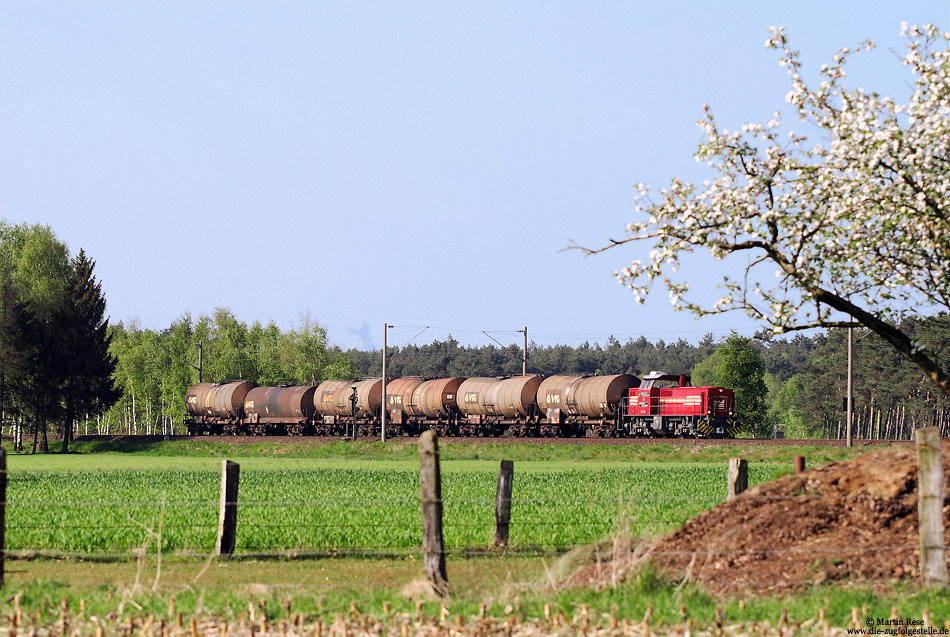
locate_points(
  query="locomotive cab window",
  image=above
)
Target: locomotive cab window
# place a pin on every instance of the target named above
(658, 383)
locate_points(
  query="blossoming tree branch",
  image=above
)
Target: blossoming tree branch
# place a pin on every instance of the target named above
(849, 220)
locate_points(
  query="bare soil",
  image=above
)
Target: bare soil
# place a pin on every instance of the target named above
(847, 522)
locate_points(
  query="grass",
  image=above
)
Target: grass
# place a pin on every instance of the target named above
(496, 449)
(322, 589)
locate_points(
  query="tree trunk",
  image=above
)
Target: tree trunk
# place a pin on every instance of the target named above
(44, 442)
(67, 434)
(3, 391)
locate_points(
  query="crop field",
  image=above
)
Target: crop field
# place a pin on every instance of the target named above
(300, 506)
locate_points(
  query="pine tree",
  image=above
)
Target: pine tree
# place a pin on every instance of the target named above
(89, 384)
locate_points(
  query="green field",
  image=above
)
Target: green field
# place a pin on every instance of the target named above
(326, 506)
(113, 498)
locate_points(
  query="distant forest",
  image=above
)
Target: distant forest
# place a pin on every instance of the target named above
(806, 375)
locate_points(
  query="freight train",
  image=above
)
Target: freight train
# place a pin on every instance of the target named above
(658, 405)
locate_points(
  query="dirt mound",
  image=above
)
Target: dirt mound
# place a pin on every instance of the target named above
(853, 521)
(847, 521)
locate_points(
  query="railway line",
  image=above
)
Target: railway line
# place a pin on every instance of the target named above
(679, 442)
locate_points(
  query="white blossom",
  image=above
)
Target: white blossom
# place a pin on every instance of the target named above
(863, 215)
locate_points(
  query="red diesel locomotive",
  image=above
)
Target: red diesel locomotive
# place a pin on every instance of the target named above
(667, 405)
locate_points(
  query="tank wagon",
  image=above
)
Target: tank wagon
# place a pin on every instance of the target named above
(524, 406)
(416, 404)
(342, 405)
(216, 408)
(577, 405)
(273, 410)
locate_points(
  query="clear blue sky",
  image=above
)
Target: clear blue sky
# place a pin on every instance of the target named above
(418, 163)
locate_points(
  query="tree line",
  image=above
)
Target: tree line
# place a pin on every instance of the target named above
(798, 384)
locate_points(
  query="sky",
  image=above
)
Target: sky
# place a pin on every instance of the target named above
(418, 164)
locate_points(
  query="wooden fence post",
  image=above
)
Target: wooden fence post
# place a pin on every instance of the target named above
(3, 515)
(430, 483)
(933, 565)
(503, 502)
(227, 520)
(738, 477)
